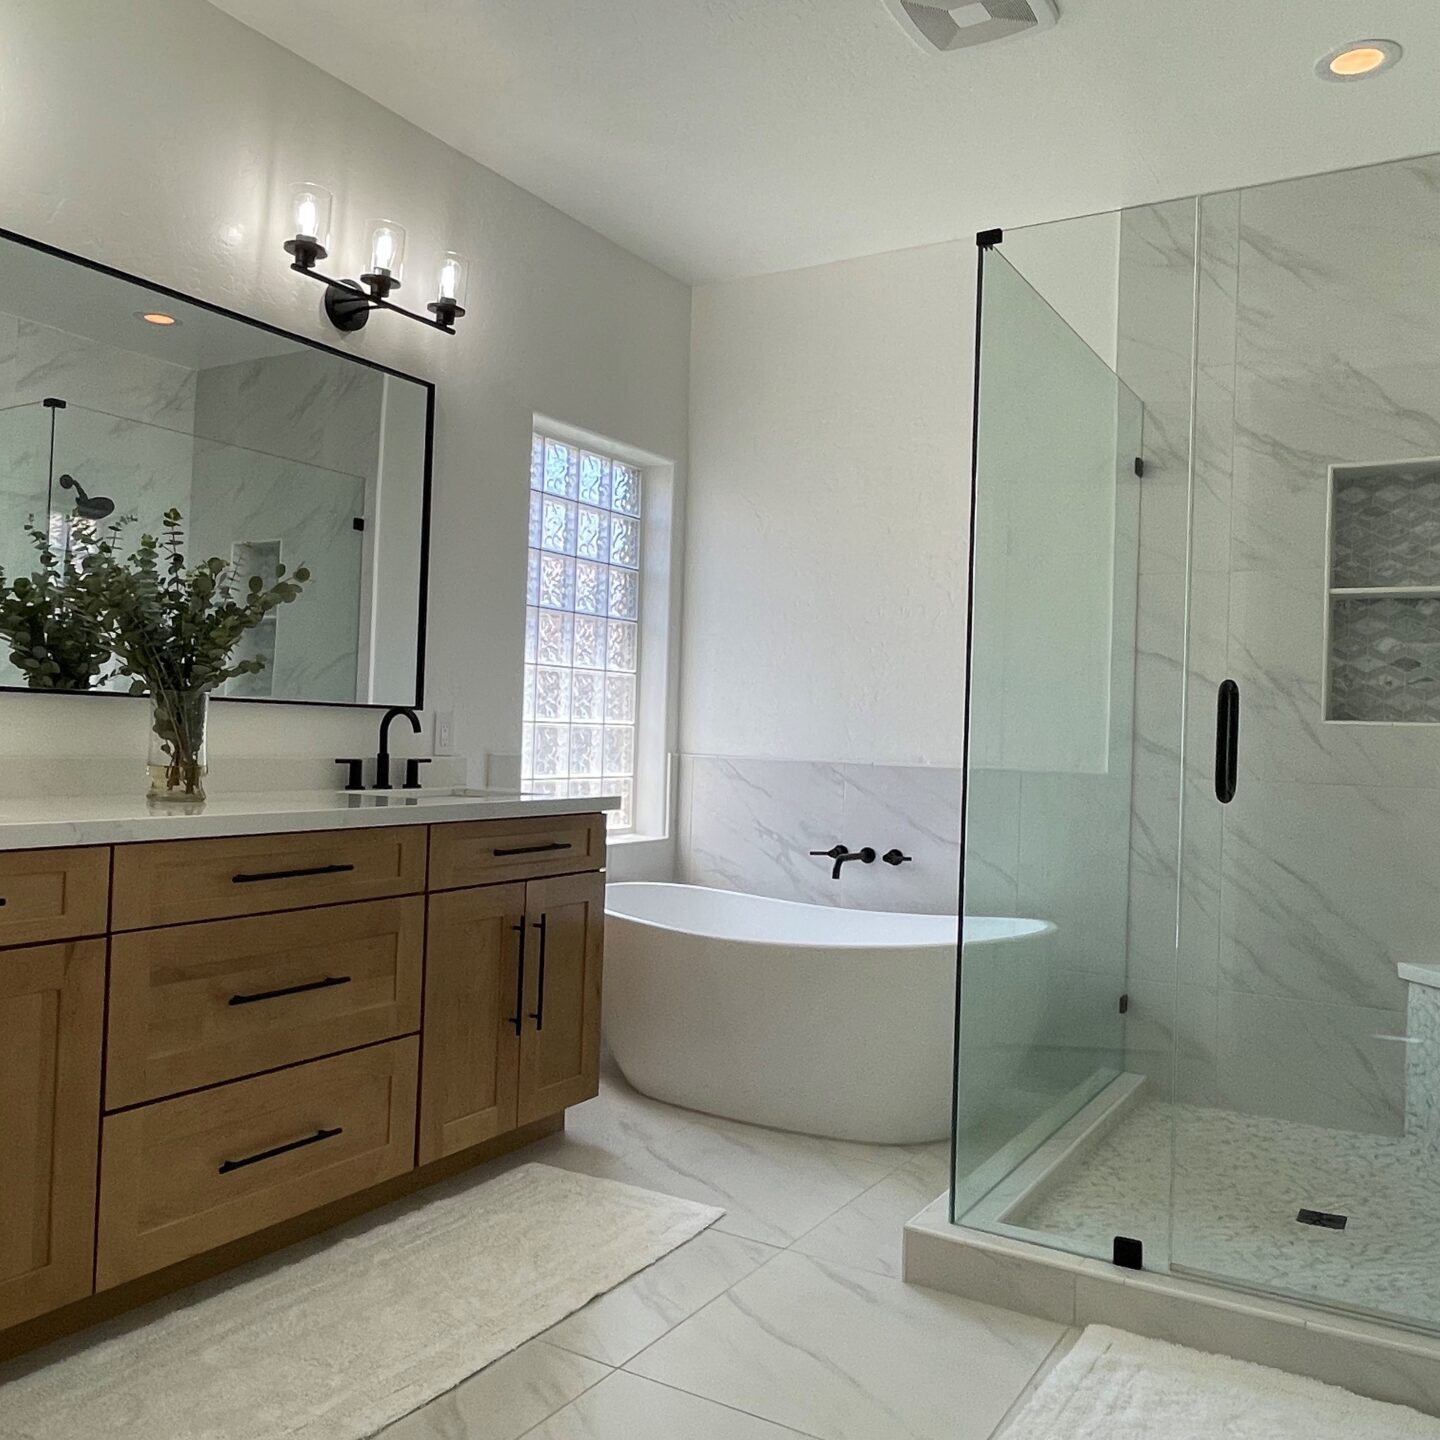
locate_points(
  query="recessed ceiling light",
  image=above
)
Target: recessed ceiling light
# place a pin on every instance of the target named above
(1359, 60)
(156, 317)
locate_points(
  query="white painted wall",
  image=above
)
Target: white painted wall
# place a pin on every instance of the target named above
(825, 557)
(161, 136)
(827, 542)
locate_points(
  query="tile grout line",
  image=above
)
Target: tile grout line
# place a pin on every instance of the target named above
(545, 1420)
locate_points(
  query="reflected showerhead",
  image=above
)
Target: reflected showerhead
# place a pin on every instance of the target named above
(87, 507)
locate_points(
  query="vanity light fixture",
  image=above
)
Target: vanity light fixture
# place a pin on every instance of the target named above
(348, 303)
(1359, 60)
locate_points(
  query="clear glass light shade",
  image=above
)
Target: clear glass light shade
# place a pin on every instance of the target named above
(386, 249)
(454, 279)
(310, 207)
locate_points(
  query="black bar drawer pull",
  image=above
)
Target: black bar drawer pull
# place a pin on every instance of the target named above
(518, 1017)
(538, 1013)
(290, 874)
(534, 849)
(314, 1139)
(329, 982)
(1227, 741)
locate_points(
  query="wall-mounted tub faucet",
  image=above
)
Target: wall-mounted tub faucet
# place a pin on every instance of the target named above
(842, 856)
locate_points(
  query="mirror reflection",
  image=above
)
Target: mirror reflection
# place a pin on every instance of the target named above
(119, 404)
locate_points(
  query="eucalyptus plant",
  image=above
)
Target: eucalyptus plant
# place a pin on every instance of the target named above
(53, 620)
(173, 629)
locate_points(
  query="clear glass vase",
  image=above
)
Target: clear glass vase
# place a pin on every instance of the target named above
(177, 744)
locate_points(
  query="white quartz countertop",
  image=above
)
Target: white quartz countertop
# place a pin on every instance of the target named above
(32, 824)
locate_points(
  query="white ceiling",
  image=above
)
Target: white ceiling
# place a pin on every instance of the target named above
(721, 138)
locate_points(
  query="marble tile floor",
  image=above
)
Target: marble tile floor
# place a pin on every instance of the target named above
(786, 1319)
(1239, 1181)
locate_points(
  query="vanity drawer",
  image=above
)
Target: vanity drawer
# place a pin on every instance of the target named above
(53, 894)
(185, 1175)
(175, 881)
(488, 852)
(194, 1005)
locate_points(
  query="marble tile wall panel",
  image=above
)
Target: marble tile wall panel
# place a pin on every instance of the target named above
(752, 824)
(1332, 1065)
(1422, 1065)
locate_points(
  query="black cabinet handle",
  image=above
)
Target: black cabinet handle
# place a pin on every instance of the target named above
(229, 1165)
(538, 1014)
(1227, 741)
(290, 874)
(328, 983)
(518, 1017)
(534, 849)
(2, 900)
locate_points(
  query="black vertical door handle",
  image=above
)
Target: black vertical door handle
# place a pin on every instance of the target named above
(517, 1019)
(538, 1013)
(1227, 740)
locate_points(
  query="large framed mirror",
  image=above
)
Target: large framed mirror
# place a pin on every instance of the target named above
(121, 400)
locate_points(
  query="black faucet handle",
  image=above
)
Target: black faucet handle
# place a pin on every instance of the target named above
(412, 771)
(833, 853)
(896, 857)
(355, 775)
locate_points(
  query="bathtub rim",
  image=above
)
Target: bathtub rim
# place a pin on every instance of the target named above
(1047, 927)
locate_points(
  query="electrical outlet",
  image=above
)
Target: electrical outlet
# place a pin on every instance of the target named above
(444, 732)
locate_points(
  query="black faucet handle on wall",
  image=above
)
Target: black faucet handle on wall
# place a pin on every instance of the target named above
(896, 857)
(834, 852)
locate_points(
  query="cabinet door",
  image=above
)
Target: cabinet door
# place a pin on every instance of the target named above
(560, 1040)
(474, 968)
(51, 1004)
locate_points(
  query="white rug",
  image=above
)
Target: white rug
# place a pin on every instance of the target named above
(1115, 1386)
(365, 1330)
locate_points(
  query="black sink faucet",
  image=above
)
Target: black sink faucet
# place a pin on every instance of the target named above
(842, 857)
(382, 759)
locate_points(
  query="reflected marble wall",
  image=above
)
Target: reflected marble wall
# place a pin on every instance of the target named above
(125, 433)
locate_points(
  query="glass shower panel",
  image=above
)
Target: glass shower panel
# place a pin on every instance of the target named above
(1306, 1145)
(1042, 1029)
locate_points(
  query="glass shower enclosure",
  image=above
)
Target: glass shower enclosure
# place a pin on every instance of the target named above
(1204, 743)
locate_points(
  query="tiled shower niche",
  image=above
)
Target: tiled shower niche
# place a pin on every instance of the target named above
(1383, 637)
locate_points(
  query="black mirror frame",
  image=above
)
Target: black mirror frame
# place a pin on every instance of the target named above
(425, 500)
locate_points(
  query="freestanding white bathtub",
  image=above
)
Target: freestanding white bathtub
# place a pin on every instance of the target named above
(801, 1017)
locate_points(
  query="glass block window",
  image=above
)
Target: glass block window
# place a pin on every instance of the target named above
(582, 631)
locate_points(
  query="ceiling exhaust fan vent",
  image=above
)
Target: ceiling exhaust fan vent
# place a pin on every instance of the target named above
(942, 26)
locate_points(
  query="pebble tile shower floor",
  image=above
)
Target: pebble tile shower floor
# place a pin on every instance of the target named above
(1239, 1183)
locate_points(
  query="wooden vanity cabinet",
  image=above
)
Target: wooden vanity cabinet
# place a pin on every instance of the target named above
(512, 1008)
(52, 1000)
(211, 1046)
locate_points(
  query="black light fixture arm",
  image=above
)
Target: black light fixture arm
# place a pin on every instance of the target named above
(348, 303)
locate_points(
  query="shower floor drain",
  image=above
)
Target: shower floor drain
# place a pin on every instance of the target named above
(1325, 1219)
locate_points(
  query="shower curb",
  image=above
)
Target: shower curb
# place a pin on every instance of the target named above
(1384, 1362)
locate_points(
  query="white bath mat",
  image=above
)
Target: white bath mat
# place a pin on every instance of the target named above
(365, 1330)
(1115, 1386)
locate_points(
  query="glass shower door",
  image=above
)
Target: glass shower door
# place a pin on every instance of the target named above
(1306, 1142)
(1041, 1051)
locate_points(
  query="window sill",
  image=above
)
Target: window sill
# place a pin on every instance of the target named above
(633, 838)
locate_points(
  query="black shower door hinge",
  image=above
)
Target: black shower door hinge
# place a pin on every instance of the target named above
(1139, 468)
(1128, 1253)
(358, 522)
(1125, 1004)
